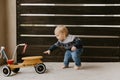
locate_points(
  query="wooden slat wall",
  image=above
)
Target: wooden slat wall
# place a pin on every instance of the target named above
(96, 22)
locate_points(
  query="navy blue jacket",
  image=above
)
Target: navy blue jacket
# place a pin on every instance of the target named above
(70, 41)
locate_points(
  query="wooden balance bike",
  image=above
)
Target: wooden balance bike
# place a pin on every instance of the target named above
(27, 61)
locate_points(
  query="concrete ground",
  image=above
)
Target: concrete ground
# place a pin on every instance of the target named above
(89, 71)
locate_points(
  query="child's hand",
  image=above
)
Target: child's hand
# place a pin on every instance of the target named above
(47, 52)
(73, 48)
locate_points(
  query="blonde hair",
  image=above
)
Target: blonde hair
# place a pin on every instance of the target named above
(61, 29)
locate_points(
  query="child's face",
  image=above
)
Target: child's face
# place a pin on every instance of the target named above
(60, 36)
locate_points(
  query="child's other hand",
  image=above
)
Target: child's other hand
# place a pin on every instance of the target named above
(47, 52)
(73, 48)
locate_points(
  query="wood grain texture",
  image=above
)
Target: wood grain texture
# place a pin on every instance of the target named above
(101, 43)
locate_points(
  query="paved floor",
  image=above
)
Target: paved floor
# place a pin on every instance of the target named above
(89, 71)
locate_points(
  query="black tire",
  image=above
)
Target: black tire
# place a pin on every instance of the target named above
(40, 68)
(16, 70)
(6, 71)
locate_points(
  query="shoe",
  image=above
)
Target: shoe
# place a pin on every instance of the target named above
(65, 67)
(77, 67)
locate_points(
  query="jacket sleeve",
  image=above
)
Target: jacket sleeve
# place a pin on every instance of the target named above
(78, 43)
(54, 46)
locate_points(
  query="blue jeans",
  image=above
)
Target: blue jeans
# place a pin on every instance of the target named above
(75, 55)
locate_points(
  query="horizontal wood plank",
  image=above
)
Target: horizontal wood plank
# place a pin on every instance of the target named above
(72, 30)
(70, 20)
(69, 10)
(86, 41)
(89, 53)
(39, 49)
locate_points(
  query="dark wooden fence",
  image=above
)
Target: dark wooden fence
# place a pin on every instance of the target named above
(96, 22)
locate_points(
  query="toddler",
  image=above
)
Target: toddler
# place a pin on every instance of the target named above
(72, 44)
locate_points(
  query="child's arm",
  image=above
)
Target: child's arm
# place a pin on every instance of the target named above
(52, 48)
(78, 43)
